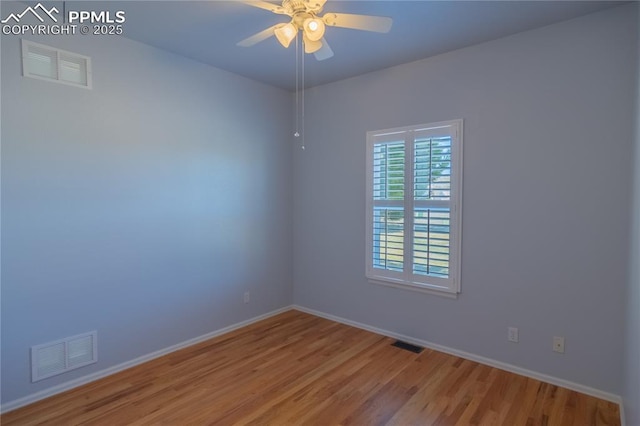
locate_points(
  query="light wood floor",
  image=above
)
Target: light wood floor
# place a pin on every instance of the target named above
(299, 369)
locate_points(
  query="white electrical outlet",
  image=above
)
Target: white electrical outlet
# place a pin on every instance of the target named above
(247, 296)
(558, 344)
(512, 334)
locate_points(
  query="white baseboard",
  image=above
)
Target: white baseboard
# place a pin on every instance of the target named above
(29, 399)
(473, 357)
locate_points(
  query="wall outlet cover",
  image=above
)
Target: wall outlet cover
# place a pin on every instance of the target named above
(558, 344)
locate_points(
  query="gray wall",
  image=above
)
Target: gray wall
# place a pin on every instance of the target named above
(143, 208)
(631, 391)
(547, 167)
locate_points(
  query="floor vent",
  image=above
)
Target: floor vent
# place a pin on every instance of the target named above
(51, 359)
(407, 346)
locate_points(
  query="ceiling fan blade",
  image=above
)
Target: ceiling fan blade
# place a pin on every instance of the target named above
(379, 24)
(257, 38)
(275, 8)
(325, 51)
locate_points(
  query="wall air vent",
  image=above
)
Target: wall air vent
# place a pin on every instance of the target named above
(52, 64)
(51, 359)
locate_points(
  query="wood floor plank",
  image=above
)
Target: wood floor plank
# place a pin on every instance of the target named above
(298, 369)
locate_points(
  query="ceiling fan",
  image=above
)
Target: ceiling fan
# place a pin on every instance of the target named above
(305, 18)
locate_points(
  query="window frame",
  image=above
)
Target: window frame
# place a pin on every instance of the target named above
(407, 279)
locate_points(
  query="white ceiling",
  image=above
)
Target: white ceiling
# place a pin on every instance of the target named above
(208, 31)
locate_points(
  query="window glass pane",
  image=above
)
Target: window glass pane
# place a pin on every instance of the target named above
(388, 238)
(431, 231)
(388, 171)
(432, 168)
(42, 62)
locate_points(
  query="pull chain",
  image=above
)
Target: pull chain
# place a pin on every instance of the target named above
(303, 132)
(299, 102)
(297, 133)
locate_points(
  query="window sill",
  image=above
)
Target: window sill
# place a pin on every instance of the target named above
(413, 287)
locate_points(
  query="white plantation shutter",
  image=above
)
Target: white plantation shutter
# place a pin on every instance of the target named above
(414, 178)
(432, 204)
(388, 211)
(431, 253)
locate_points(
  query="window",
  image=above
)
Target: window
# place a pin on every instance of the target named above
(414, 185)
(48, 63)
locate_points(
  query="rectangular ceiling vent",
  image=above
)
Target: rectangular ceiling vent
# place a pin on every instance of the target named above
(51, 359)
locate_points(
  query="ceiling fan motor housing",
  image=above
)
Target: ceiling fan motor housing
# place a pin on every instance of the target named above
(293, 7)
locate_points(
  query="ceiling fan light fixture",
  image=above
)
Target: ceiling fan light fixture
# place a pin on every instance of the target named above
(311, 46)
(314, 29)
(286, 33)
